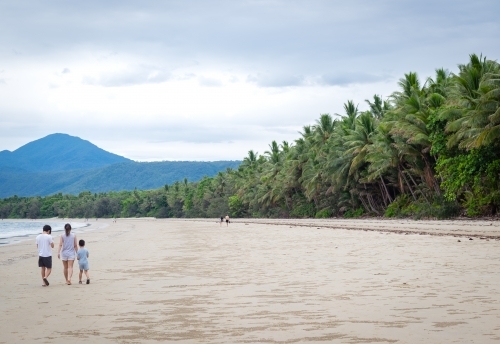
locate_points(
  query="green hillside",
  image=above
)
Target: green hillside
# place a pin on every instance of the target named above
(57, 152)
(116, 177)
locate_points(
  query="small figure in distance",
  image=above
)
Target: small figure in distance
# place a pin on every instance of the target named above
(227, 220)
(82, 255)
(45, 244)
(221, 220)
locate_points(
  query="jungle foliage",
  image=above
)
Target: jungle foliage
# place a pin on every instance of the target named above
(431, 149)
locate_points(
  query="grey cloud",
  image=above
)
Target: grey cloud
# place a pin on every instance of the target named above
(65, 71)
(202, 133)
(185, 76)
(349, 78)
(286, 37)
(278, 43)
(276, 80)
(134, 75)
(209, 82)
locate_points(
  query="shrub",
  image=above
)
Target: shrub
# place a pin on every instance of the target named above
(303, 210)
(353, 213)
(323, 214)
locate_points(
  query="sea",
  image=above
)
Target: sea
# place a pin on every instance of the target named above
(15, 231)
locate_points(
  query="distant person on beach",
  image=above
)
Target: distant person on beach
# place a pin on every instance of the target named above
(227, 220)
(82, 255)
(221, 220)
(67, 252)
(45, 244)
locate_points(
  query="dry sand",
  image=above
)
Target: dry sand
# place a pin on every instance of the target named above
(263, 281)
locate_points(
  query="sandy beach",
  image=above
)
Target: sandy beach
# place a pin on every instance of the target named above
(262, 281)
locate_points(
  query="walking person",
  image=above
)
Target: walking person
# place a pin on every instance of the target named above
(83, 263)
(67, 252)
(227, 220)
(45, 244)
(221, 220)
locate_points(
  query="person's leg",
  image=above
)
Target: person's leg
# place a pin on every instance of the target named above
(65, 270)
(43, 273)
(87, 274)
(70, 270)
(80, 275)
(47, 272)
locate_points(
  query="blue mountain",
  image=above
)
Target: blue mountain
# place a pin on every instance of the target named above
(68, 164)
(58, 152)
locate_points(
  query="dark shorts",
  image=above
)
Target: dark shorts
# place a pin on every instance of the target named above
(45, 262)
(227, 221)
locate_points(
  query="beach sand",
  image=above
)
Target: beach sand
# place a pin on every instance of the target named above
(263, 281)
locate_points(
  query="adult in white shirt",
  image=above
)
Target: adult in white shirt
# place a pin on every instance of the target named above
(44, 243)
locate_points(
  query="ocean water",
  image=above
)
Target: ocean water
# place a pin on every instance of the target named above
(13, 231)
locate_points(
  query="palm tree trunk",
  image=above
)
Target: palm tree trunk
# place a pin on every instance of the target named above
(371, 202)
(421, 192)
(409, 187)
(382, 193)
(400, 180)
(386, 190)
(429, 176)
(364, 204)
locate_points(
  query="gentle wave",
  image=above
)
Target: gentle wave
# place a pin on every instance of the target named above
(12, 230)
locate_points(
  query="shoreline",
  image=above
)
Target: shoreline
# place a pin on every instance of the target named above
(482, 229)
(487, 228)
(21, 238)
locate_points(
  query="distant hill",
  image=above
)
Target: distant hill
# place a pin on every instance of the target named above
(116, 177)
(58, 152)
(68, 164)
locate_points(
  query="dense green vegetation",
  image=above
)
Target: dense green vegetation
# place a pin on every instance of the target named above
(115, 177)
(431, 149)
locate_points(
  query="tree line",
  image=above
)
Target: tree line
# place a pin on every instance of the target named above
(430, 149)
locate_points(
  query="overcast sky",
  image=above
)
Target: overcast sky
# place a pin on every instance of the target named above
(209, 80)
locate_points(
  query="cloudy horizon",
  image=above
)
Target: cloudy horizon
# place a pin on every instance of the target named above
(211, 80)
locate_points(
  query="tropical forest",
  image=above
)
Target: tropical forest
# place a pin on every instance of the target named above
(431, 149)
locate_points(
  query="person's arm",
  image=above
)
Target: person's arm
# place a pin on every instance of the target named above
(87, 253)
(51, 242)
(77, 256)
(60, 247)
(76, 246)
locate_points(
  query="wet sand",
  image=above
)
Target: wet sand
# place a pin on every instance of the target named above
(263, 281)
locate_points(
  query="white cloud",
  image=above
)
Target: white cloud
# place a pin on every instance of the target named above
(205, 81)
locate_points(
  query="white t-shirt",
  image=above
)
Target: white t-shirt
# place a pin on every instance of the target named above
(43, 241)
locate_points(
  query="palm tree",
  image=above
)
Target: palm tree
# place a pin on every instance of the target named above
(379, 107)
(324, 127)
(475, 117)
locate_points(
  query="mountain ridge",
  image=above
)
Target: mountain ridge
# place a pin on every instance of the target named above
(29, 173)
(58, 152)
